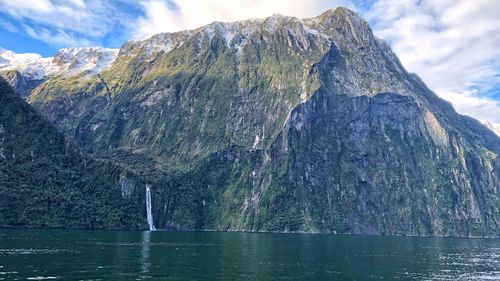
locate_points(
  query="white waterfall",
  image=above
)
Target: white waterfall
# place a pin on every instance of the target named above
(148, 207)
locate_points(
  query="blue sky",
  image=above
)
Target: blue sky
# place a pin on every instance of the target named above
(454, 45)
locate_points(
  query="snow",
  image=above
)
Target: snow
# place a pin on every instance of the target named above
(310, 30)
(272, 22)
(209, 32)
(228, 34)
(303, 93)
(67, 62)
(227, 31)
(239, 46)
(159, 46)
(495, 127)
(92, 61)
(256, 142)
(33, 65)
(162, 42)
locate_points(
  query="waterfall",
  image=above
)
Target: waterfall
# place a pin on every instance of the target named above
(148, 208)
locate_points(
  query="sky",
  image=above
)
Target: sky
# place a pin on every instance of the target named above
(453, 45)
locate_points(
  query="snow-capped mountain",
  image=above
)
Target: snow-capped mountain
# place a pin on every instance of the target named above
(67, 62)
(89, 60)
(31, 65)
(495, 127)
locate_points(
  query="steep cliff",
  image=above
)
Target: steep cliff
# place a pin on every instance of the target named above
(284, 124)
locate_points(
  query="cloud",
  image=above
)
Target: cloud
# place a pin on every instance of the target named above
(170, 16)
(57, 37)
(470, 103)
(452, 45)
(63, 23)
(7, 25)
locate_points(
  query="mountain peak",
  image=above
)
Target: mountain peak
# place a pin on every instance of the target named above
(341, 15)
(338, 12)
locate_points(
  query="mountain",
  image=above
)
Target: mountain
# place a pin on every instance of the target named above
(45, 181)
(283, 124)
(495, 127)
(25, 72)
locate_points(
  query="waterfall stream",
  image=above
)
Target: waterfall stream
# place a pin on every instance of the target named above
(148, 207)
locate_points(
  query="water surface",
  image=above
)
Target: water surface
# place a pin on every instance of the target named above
(122, 255)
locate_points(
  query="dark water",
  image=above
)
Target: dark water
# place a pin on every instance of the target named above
(118, 255)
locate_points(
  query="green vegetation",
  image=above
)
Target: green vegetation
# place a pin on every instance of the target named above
(46, 181)
(292, 131)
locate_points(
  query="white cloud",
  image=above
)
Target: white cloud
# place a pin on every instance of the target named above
(64, 23)
(7, 25)
(470, 103)
(190, 14)
(453, 45)
(58, 37)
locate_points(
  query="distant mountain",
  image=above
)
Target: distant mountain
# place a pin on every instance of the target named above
(495, 127)
(27, 71)
(45, 181)
(283, 124)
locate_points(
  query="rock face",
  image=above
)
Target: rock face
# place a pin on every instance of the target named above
(284, 124)
(46, 181)
(24, 85)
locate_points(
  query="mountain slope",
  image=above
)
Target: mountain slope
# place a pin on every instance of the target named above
(284, 124)
(47, 182)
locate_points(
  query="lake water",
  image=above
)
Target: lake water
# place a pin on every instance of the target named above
(124, 255)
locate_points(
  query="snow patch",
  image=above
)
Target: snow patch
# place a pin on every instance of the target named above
(156, 97)
(227, 33)
(162, 42)
(256, 142)
(310, 30)
(92, 61)
(271, 23)
(239, 46)
(494, 127)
